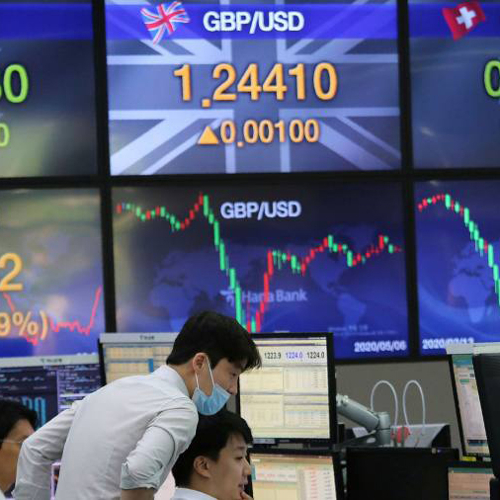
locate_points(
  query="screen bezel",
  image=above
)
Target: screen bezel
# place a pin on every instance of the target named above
(462, 350)
(306, 452)
(133, 338)
(267, 443)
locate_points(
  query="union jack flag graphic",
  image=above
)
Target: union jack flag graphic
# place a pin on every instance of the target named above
(166, 18)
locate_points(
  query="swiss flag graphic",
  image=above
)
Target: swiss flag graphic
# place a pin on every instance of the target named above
(463, 18)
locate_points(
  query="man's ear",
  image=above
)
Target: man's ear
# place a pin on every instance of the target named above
(201, 466)
(199, 359)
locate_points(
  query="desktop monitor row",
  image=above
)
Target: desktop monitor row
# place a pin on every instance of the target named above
(290, 399)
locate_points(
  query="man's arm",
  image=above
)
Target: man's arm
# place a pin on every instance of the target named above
(168, 435)
(38, 453)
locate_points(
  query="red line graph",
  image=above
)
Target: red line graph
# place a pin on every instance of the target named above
(56, 326)
(76, 325)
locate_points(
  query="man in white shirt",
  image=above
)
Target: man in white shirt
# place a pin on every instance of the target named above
(215, 467)
(120, 442)
(17, 423)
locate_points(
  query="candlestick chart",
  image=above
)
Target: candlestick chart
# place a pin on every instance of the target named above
(457, 263)
(274, 258)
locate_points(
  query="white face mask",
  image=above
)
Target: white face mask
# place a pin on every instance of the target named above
(210, 405)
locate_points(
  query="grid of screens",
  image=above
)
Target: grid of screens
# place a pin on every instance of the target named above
(128, 354)
(288, 398)
(469, 482)
(469, 406)
(51, 275)
(298, 477)
(303, 98)
(47, 102)
(49, 385)
(302, 107)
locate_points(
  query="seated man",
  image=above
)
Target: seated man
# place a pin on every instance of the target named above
(16, 423)
(215, 465)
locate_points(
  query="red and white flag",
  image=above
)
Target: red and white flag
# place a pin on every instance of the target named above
(463, 18)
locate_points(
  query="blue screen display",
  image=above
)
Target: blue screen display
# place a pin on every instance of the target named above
(252, 86)
(47, 89)
(51, 299)
(323, 257)
(457, 262)
(455, 83)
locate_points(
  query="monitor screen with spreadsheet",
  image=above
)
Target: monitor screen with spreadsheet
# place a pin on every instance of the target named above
(295, 475)
(124, 354)
(468, 407)
(49, 385)
(469, 481)
(290, 397)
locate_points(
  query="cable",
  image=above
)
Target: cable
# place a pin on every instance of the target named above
(394, 393)
(414, 382)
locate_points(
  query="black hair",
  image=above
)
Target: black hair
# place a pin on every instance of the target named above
(219, 337)
(212, 434)
(10, 413)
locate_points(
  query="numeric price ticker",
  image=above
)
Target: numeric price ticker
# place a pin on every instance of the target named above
(492, 78)
(324, 82)
(14, 89)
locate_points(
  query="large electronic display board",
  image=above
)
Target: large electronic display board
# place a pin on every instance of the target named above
(315, 257)
(457, 262)
(50, 272)
(252, 86)
(47, 89)
(455, 82)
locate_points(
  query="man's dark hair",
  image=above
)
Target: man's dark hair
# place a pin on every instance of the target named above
(212, 434)
(10, 413)
(219, 337)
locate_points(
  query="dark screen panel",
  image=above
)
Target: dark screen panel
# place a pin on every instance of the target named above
(487, 370)
(457, 262)
(51, 273)
(314, 258)
(455, 84)
(325, 87)
(47, 103)
(395, 473)
(49, 385)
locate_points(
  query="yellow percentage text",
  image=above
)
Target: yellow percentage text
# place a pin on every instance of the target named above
(25, 326)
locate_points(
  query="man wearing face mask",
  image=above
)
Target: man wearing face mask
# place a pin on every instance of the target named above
(120, 442)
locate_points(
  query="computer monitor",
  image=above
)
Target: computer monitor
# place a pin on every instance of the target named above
(292, 397)
(49, 384)
(469, 481)
(468, 407)
(487, 370)
(296, 474)
(398, 473)
(125, 354)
